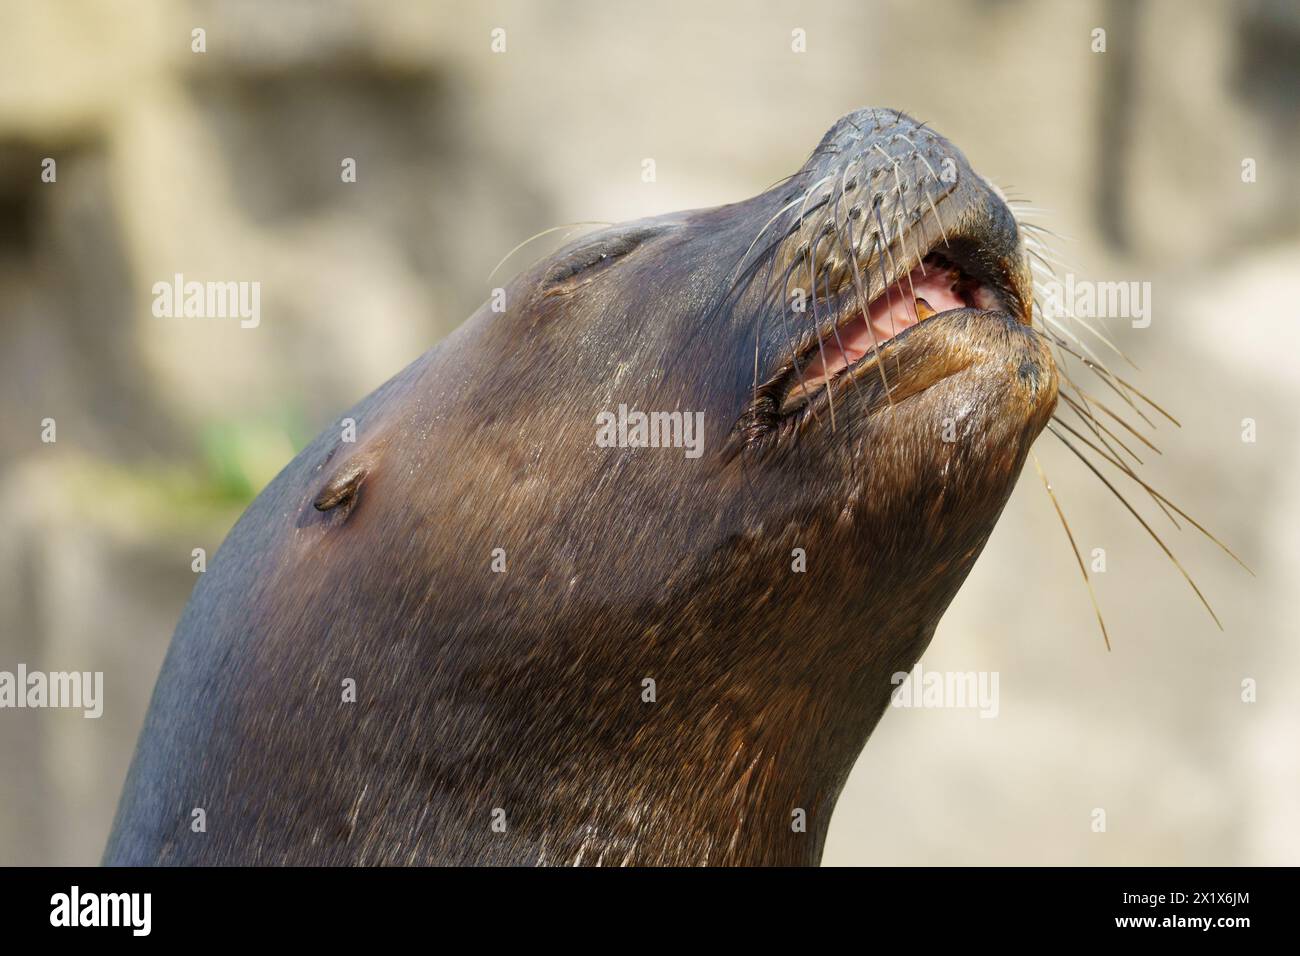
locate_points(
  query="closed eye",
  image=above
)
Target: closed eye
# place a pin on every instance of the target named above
(593, 255)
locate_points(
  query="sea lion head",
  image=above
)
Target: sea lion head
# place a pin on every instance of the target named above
(856, 345)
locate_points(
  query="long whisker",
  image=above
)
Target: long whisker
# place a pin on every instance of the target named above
(884, 278)
(1157, 495)
(852, 257)
(882, 240)
(1095, 426)
(1035, 227)
(758, 327)
(942, 231)
(1142, 521)
(1144, 398)
(544, 232)
(1106, 375)
(1093, 400)
(1091, 421)
(1052, 321)
(817, 325)
(864, 303)
(1069, 313)
(1083, 409)
(780, 212)
(1102, 373)
(1092, 595)
(785, 325)
(803, 211)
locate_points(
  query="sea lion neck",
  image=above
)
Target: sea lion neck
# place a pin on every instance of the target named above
(676, 756)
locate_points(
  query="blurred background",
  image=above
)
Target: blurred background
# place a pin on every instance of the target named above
(225, 165)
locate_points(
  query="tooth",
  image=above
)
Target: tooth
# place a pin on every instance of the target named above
(923, 310)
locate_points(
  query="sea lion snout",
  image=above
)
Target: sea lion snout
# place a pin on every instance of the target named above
(878, 248)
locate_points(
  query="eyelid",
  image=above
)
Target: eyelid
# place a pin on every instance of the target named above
(595, 255)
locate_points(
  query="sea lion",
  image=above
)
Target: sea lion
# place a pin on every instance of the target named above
(565, 650)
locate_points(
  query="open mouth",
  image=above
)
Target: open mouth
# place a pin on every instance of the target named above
(951, 276)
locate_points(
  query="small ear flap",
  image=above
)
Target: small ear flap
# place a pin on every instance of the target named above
(578, 264)
(342, 488)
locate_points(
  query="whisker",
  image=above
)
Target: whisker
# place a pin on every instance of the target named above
(817, 325)
(864, 303)
(1092, 595)
(1160, 497)
(1091, 420)
(1144, 398)
(785, 327)
(1048, 232)
(1142, 521)
(758, 327)
(1094, 426)
(544, 232)
(779, 213)
(939, 219)
(882, 240)
(794, 353)
(1048, 256)
(1103, 374)
(1093, 400)
(1048, 321)
(1069, 313)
